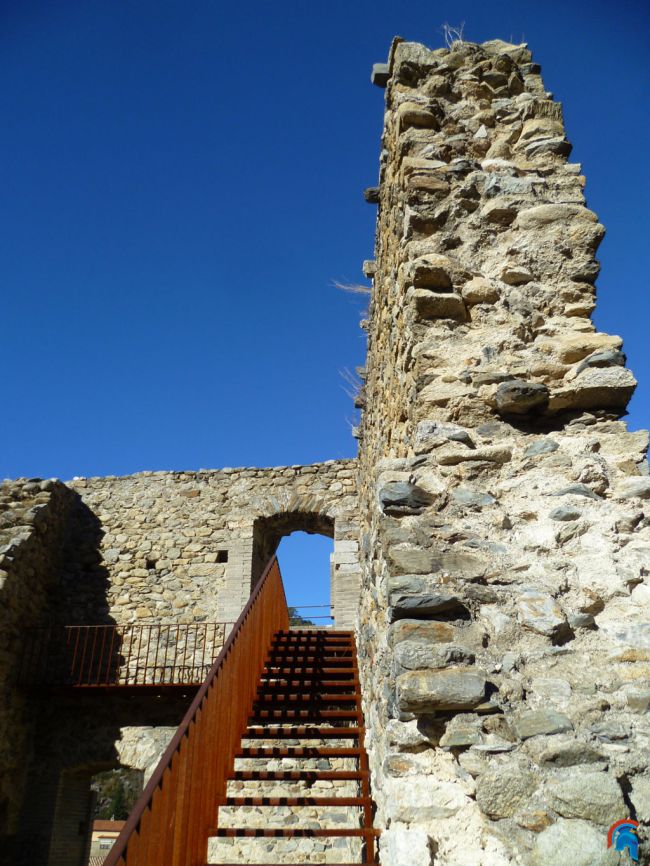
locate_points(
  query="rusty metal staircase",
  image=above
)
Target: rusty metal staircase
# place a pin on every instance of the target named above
(269, 692)
(308, 691)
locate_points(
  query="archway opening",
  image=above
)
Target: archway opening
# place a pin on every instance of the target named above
(313, 560)
(305, 562)
(91, 805)
(303, 543)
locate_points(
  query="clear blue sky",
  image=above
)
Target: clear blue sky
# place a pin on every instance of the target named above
(181, 185)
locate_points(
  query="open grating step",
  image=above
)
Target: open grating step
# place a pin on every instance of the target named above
(309, 690)
(296, 801)
(304, 732)
(298, 752)
(296, 775)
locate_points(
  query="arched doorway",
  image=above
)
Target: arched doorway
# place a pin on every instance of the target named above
(306, 564)
(253, 544)
(344, 569)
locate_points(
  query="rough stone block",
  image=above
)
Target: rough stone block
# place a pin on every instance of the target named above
(415, 655)
(438, 305)
(471, 498)
(515, 275)
(426, 799)
(380, 74)
(557, 215)
(532, 723)
(519, 397)
(573, 842)
(421, 631)
(451, 689)
(479, 291)
(424, 605)
(541, 613)
(405, 847)
(416, 114)
(407, 559)
(634, 488)
(400, 497)
(595, 388)
(575, 346)
(504, 789)
(594, 796)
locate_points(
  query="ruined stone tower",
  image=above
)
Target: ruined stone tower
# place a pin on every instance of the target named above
(492, 543)
(504, 528)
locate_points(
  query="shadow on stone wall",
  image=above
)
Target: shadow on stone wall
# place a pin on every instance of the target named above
(76, 737)
(85, 582)
(76, 734)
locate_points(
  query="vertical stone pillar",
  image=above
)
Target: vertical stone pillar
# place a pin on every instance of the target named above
(237, 584)
(345, 574)
(506, 543)
(72, 819)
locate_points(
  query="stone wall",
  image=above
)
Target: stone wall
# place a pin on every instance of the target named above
(185, 546)
(33, 515)
(163, 547)
(74, 737)
(505, 533)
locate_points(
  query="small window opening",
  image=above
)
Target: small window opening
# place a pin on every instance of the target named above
(222, 556)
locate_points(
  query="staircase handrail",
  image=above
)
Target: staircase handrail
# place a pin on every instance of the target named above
(170, 823)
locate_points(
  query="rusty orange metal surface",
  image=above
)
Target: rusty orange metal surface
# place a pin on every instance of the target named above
(170, 823)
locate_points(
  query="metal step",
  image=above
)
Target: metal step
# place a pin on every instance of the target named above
(296, 775)
(308, 715)
(308, 659)
(327, 632)
(287, 683)
(297, 752)
(280, 698)
(296, 801)
(279, 670)
(305, 732)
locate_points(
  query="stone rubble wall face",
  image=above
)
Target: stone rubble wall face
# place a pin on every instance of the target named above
(162, 533)
(143, 549)
(505, 530)
(32, 521)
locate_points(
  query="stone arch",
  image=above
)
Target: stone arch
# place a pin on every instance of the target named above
(269, 531)
(277, 516)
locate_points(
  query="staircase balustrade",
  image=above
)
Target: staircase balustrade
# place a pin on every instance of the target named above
(171, 822)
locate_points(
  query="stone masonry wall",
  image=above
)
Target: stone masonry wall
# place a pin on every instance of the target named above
(169, 548)
(32, 521)
(505, 546)
(179, 546)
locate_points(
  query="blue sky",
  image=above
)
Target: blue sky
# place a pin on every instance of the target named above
(181, 186)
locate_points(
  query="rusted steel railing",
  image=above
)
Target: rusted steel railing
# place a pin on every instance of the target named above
(87, 656)
(169, 824)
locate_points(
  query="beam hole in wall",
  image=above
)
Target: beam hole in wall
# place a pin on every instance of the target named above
(222, 556)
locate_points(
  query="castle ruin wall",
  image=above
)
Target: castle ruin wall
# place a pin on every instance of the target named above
(149, 549)
(505, 527)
